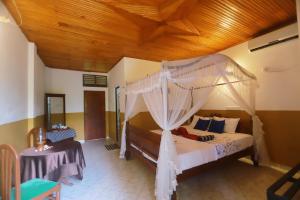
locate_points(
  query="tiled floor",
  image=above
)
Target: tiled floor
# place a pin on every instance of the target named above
(106, 177)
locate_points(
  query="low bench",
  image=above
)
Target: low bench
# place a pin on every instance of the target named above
(291, 191)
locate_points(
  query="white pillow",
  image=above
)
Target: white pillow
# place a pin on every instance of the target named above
(196, 118)
(230, 124)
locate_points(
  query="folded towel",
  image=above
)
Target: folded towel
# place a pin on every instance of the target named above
(206, 138)
(175, 132)
(191, 136)
(180, 131)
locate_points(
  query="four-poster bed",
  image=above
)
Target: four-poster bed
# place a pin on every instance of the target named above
(173, 96)
(144, 144)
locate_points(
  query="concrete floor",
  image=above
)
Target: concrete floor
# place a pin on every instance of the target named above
(107, 177)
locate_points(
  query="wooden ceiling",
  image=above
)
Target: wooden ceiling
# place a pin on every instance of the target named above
(93, 35)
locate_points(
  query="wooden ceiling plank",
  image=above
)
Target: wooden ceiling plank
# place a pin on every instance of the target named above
(92, 35)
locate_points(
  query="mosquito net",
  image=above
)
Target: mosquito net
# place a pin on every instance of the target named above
(177, 92)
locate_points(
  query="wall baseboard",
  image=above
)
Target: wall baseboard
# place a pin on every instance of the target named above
(280, 168)
(81, 141)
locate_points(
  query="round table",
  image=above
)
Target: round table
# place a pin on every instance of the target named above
(64, 159)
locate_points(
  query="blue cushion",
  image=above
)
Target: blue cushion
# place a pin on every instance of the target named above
(33, 188)
(216, 126)
(202, 124)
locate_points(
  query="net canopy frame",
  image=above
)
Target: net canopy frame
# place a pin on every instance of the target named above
(174, 94)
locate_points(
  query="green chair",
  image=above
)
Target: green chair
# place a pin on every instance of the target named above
(35, 189)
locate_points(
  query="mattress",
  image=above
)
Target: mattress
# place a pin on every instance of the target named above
(193, 153)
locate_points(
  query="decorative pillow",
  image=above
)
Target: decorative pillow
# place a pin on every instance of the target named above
(230, 124)
(216, 126)
(196, 118)
(202, 124)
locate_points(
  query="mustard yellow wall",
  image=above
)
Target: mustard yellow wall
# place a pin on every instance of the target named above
(57, 118)
(35, 122)
(282, 132)
(107, 126)
(111, 124)
(76, 121)
(15, 133)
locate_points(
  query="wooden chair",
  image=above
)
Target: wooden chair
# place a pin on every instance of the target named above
(32, 136)
(11, 187)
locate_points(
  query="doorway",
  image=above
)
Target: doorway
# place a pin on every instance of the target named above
(118, 120)
(94, 115)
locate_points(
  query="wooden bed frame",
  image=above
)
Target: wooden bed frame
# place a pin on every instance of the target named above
(149, 143)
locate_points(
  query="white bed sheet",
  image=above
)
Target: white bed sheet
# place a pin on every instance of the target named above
(226, 143)
(193, 153)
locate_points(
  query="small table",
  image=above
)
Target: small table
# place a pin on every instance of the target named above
(62, 160)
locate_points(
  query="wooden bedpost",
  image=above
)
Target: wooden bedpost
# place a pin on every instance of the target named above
(254, 158)
(253, 154)
(127, 153)
(174, 196)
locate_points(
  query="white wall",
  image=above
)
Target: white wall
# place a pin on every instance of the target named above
(39, 86)
(125, 71)
(277, 91)
(35, 83)
(69, 82)
(13, 73)
(136, 69)
(116, 77)
(15, 61)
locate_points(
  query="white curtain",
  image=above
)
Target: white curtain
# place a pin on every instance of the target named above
(167, 163)
(129, 112)
(242, 93)
(170, 107)
(168, 98)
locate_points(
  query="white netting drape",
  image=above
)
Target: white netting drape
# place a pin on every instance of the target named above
(129, 112)
(173, 95)
(243, 94)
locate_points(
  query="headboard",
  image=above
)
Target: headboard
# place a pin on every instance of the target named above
(244, 126)
(245, 123)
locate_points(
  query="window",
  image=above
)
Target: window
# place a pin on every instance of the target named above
(90, 80)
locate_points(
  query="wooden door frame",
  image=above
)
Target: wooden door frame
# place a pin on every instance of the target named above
(117, 133)
(84, 110)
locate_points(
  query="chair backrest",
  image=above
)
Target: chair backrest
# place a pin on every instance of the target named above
(9, 170)
(32, 136)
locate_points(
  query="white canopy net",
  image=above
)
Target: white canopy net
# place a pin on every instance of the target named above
(177, 92)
